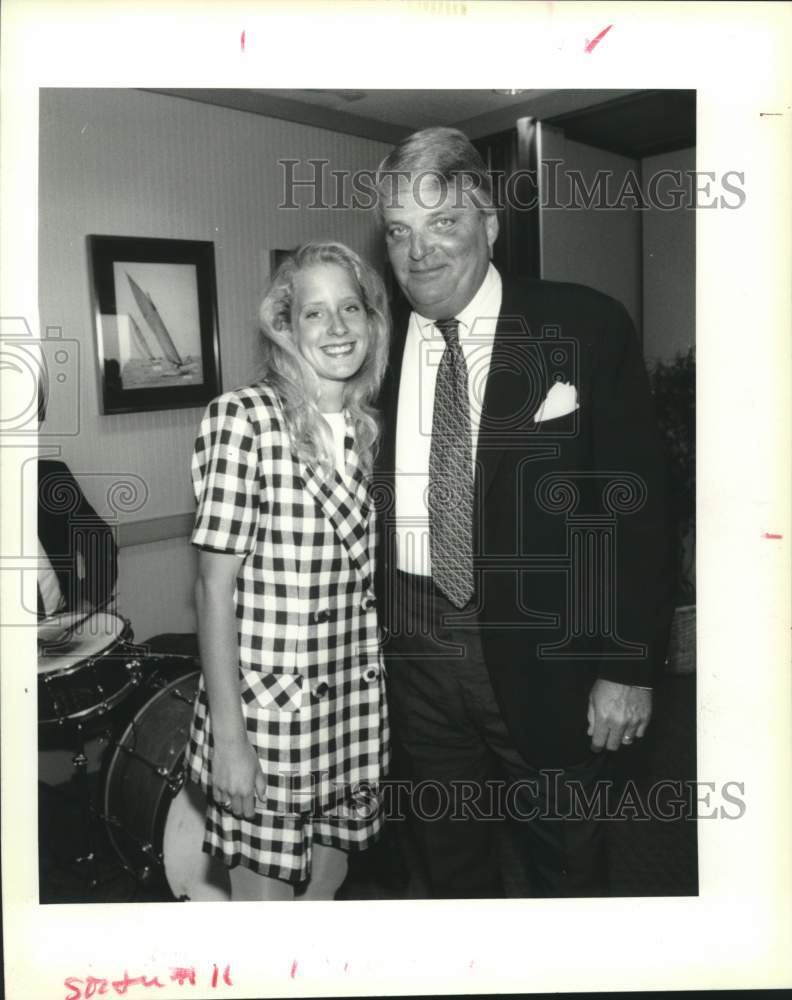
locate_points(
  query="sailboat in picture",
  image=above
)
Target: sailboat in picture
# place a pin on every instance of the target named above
(143, 345)
(171, 364)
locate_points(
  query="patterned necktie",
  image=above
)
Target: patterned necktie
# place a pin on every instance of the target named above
(450, 499)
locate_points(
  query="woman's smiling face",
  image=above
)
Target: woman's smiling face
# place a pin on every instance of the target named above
(329, 324)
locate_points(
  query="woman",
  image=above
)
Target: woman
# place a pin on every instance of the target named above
(290, 736)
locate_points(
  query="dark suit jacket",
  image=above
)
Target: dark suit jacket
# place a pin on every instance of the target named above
(574, 552)
(68, 526)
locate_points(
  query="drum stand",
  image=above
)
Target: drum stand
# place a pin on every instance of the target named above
(82, 785)
(73, 738)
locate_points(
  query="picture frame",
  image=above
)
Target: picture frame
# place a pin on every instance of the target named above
(155, 317)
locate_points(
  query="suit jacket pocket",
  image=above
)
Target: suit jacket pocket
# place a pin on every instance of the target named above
(272, 692)
(565, 425)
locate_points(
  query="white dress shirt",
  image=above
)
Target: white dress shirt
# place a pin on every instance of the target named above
(337, 423)
(48, 585)
(423, 349)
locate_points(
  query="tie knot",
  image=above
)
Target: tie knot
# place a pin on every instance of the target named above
(449, 329)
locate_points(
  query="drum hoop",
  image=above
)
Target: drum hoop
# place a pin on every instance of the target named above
(119, 650)
(124, 638)
(109, 700)
(159, 815)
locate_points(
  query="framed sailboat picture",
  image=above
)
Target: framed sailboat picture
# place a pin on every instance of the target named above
(155, 312)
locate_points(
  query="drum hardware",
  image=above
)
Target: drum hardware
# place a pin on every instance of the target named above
(173, 783)
(145, 873)
(86, 682)
(85, 678)
(153, 816)
(145, 773)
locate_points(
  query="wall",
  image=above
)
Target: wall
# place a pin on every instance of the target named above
(669, 267)
(125, 162)
(590, 246)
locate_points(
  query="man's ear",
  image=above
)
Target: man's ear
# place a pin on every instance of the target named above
(493, 228)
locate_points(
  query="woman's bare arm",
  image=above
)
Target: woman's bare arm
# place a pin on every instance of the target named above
(236, 775)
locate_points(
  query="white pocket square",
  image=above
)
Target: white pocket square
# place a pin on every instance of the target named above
(561, 400)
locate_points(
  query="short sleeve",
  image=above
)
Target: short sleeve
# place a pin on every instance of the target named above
(225, 481)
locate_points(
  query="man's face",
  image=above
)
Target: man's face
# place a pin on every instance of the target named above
(439, 247)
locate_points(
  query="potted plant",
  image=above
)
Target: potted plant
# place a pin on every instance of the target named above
(674, 389)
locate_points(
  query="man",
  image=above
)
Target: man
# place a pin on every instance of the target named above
(525, 576)
(78, 556)
(77, 552)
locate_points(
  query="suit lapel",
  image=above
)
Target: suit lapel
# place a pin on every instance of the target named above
(517, 382)
(346, 507)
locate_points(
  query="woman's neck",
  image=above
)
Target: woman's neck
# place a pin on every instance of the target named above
(332, 400)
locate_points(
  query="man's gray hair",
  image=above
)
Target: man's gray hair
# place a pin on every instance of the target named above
(444, 154)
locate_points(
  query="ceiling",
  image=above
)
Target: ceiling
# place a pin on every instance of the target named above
(641, 124)
(634, 123)
(390, 115)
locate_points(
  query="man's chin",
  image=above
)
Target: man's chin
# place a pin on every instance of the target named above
(432, 306)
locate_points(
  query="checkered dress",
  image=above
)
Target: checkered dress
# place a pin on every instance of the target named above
(310, 668)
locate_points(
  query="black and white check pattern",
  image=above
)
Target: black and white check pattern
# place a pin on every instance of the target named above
(311, 675)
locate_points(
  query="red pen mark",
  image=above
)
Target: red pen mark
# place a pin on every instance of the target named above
(182, 975)
(226, 976)
(346, 966)
(96, 986)
(768, 535)
(242, 41)
(294, 968)
(595, 41)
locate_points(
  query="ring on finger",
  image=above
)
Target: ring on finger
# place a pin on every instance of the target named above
(627, 739)
(226, 804)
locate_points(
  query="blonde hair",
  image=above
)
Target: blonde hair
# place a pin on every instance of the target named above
(294, 379)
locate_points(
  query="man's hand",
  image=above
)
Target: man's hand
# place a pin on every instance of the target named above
(617, 714)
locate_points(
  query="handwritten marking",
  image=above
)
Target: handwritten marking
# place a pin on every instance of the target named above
(770, 114)
(294, 969)
(95, 985)
(242, 41)
(768, 535)
(346, 966)
(85, 989)
(226, 976)
(182, 975)
(590, 45)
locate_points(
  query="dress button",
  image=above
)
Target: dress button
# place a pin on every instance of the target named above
(369, 602)
(322, 615)
(320, 690)
(371, 674)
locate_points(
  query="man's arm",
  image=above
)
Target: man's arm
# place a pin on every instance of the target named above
(627, 442)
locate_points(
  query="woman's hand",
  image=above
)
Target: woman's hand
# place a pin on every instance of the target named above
(236, 774)
(237, 778)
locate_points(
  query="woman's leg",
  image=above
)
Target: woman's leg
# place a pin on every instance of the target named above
(247, 885)
(328, 870)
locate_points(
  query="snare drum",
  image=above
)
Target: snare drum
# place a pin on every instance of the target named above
(85, 674)
(154, 821)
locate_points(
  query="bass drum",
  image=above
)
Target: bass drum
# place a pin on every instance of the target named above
(155, 821)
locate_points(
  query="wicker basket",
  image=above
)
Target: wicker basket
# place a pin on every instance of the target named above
(681, 657)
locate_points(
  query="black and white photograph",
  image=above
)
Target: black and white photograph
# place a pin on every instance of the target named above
(380, 524)
(549, 662)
